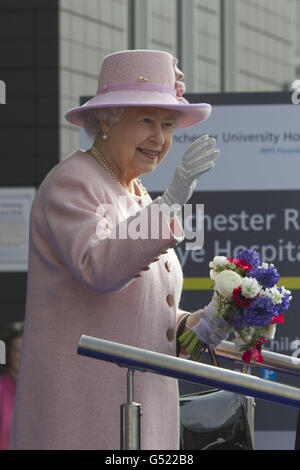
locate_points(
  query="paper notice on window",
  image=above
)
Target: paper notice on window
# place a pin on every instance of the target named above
(15, 206)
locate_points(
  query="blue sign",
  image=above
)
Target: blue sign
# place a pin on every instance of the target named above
(268, 374)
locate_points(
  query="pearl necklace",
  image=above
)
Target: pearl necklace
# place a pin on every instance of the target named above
(104, 163)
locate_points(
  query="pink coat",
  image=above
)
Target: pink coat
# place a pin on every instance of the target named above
(80, 284)
(7, 397)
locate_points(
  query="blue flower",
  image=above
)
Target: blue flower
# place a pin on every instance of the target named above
(260, 312)
(285, 301)
(250, 256)
(237, 321)
(266, 277)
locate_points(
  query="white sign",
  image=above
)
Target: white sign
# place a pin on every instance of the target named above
(259, 149)
(2, 92)
(15, 206)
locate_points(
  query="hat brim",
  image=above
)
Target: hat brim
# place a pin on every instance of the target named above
(189, 113)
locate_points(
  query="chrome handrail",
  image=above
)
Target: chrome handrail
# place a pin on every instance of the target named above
(149, 361)
(275, 361)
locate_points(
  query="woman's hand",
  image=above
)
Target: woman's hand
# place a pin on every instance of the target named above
(198, 159)
(192, 320)
(210, 329)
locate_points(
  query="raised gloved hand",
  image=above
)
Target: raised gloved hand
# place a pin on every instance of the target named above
(210, 329)
(198, 159)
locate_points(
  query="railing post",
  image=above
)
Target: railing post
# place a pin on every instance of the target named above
(130, 429)
(250, 411)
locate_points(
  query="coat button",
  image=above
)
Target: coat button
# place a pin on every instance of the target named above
(170, 300)
(170, 334)
(168, 266)
(146, 268)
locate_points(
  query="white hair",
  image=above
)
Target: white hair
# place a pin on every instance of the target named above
(91, 118)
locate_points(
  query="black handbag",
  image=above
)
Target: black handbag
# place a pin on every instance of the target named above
(216, 419)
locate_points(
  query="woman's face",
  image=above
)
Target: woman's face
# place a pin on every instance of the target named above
(139, 142)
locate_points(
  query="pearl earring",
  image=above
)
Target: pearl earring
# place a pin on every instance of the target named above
(104, 136)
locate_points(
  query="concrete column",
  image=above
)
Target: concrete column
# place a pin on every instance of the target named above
(141, 24)
(186, 40)
(296, 38)
(228, 45)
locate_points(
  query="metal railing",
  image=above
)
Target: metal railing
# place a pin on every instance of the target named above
(279, 362)
(148, 361)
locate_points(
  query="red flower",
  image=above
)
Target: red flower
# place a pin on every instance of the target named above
(278, 319)
(240, 263)
(255, 352)
(180, 88)
(247, 355)
(239, 299)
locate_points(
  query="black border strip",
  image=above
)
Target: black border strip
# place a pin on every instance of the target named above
(234, 98)
(241, 98)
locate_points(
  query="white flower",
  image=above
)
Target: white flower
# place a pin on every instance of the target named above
(285, 291)
(226, 282)
(247, 336)
(268, 332)
(266, 265)
(213, 274)
(219, 261)
(250, 287)
(273, 294)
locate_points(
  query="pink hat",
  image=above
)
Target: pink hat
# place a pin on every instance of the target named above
(142, 78)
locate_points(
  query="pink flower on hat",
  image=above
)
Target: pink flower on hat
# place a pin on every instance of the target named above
(178, 74)
(180, 88)
(179, 84)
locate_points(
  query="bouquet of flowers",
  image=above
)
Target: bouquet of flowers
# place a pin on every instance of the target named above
(247, 297)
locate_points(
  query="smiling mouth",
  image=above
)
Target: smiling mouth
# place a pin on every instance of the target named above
(149, 153)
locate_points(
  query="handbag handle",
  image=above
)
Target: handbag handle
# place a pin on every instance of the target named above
(215, 361)
(213, 357)
(179, 332)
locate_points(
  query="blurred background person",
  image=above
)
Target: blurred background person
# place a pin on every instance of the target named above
(12, 338)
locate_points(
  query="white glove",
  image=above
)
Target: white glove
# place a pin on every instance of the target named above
(210, 329)
(198, 159)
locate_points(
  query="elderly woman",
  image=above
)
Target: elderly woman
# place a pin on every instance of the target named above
(101, 263)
